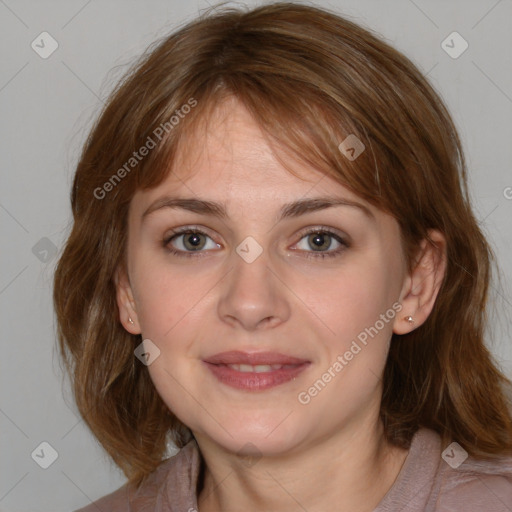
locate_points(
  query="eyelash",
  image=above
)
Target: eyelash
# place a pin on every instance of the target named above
(309, 254)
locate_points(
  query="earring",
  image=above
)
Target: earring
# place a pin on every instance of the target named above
(409, 319)
(130, 320)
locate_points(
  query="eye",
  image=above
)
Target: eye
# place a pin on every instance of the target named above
(188, 240)
(321, 240)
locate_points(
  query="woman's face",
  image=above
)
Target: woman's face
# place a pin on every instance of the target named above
(258, 281)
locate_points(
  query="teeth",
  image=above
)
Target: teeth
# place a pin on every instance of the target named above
(259, 368)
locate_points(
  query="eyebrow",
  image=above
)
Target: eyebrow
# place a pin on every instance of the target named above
(288, 210)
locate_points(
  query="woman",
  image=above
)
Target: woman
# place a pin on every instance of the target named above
(275, 265)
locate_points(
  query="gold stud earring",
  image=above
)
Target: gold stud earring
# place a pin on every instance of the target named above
(130, 320)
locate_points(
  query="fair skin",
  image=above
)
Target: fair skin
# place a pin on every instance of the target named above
(328, 454)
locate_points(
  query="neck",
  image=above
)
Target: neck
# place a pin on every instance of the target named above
(353, 469)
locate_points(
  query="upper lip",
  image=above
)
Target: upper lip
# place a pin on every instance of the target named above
(253, 358)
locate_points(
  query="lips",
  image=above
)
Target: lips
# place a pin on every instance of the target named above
(254, 358)
(255, 371)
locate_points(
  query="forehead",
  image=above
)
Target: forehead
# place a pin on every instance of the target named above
(228, 156)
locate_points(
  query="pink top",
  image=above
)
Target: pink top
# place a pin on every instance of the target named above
(426, 483)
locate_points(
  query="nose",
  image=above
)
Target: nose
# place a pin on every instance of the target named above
(253, 296)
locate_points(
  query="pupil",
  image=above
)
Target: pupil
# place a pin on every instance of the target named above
(194, 240)
(319, 240)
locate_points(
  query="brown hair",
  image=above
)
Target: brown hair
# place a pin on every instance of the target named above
(310, 78)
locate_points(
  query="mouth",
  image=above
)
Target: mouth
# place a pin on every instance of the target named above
(255, 371)
(259, 368)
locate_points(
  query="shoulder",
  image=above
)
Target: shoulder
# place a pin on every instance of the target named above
(116, 501)
(475, 485)
(174, 479)
(438, 479)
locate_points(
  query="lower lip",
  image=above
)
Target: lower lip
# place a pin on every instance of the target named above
(253, 381)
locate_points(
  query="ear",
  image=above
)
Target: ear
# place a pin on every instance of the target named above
(126, 302)
(422, 285)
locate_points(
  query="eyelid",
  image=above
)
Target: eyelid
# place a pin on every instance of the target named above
(324, 229)
(304, 231)
(186, 229)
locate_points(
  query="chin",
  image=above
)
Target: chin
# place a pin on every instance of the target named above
(264, 441)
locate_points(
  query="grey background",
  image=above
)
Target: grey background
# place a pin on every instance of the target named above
(47, 106)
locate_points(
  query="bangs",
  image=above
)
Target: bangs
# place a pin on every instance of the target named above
(299, 126)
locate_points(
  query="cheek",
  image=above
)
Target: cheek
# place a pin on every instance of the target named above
(166, 297)
(354, 299)
(357, 308)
